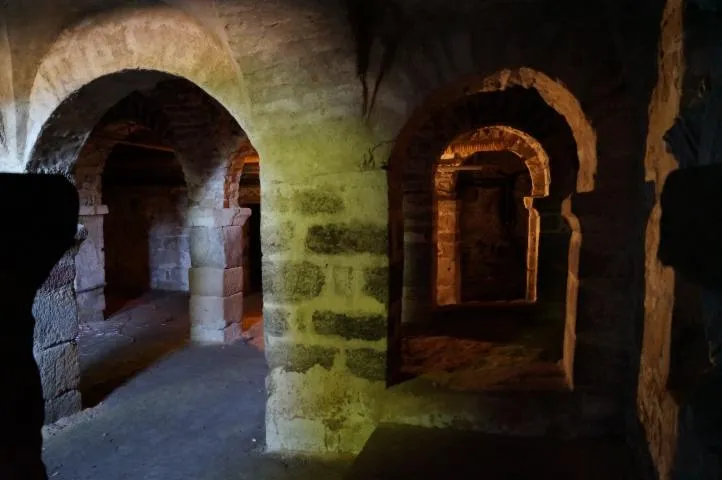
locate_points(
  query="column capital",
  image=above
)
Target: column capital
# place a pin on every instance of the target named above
(217, 217)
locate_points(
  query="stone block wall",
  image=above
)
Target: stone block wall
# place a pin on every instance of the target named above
(147, 242)
(56, 328)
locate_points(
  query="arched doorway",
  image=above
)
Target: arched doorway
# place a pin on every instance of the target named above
(152, 157)
(513, 326)
(487, 228)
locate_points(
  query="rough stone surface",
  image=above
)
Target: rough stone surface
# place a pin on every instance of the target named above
(319, 202)
(219, 247)
(61, 407)
(275, 321)
(216, 313)
(350, 326)
(347, 239)
(299, 358)
(367, 363)
(277, 238)
(55, 313)
(216, 282)
(59, 369)
(376, 284)
(292, 282)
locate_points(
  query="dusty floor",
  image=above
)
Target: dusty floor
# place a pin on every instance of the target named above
(164, 410)
(396, 452)
(168, 411)
(468, 348)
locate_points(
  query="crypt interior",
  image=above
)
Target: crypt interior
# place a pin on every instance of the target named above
(361, 239)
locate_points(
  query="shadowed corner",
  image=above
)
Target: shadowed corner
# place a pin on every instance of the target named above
(42, 213)
(691, 235)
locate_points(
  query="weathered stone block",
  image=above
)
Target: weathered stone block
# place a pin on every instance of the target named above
(354, 238)
(217, 247)
(56, 316)
(376, 284)
(277, 238)
(215, 313)
(351, 327)
(63, 406)
(63, 273)
(91, 305)
(367, 363)
(317, 202)
(59, 369)
(343, 284)
(292, 282)
(299, 358)
(216, 282)
(275, 321)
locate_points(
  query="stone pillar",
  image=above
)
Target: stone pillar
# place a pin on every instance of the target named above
(90, 266)
(216, 274)
(326, 292)
(532, 262)
(56, 328)
(447, 247)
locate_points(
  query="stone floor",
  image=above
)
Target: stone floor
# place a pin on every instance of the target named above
(164, 410)
(396, 452)
(490, 348)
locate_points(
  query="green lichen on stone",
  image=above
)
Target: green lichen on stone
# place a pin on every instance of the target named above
(276, 238)
(292, 282)
(317, 202)
(275, 321)
(350, 327)
(338, 239)
(376, 284)
(367, 363)
(300, 358)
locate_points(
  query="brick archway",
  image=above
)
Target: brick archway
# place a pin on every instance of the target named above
(498, 138)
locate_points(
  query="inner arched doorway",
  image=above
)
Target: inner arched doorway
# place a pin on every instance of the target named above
(511, 327)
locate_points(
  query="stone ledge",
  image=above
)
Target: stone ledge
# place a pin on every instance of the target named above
(221, 217)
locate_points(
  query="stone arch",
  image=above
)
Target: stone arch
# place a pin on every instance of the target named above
(497, 138)
(161, 38)
(440, 114)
